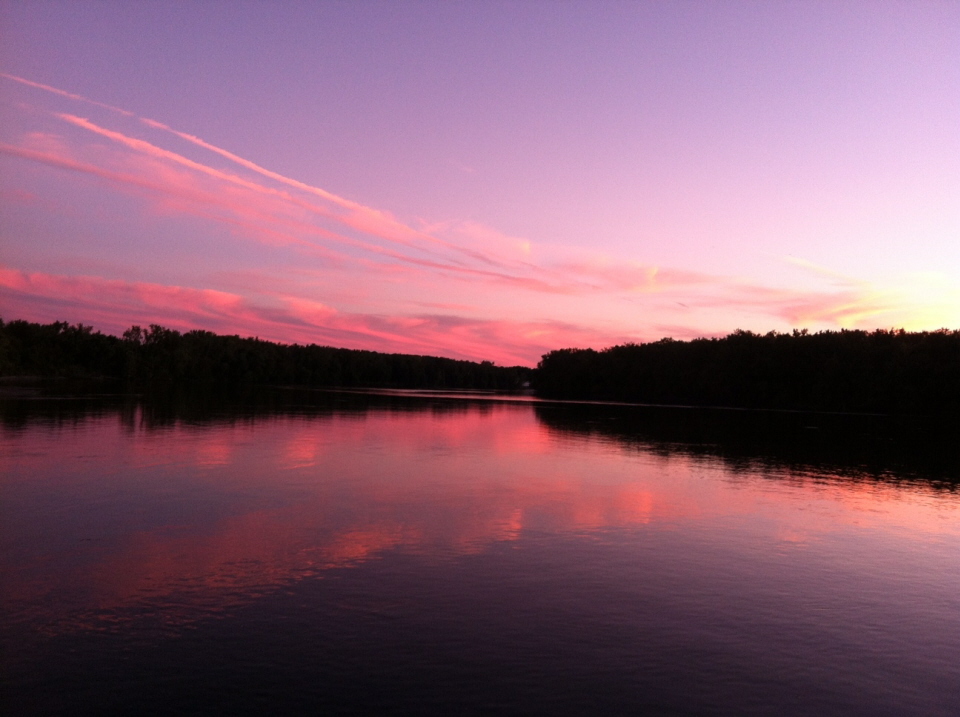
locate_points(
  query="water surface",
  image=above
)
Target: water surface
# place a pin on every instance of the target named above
(339, 553)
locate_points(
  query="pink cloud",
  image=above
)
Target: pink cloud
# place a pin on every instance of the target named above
(856, 305)
(266, 213)
(562, 279)
(18, 196)
(616, 275)
(364, 219)
(359, 216)
(442, 266)
(266, 218)
(64, 93)
(113, 305)
(181, 194)
(272, 206)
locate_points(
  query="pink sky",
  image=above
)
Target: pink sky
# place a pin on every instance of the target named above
(485, 181)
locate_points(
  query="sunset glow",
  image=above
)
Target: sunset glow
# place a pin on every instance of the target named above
(483, 181)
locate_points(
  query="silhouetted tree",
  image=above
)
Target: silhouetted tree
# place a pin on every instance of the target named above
(161, 355)
(879, 371)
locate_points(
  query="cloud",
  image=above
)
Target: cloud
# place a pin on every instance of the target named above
(367, 220)
(270, 206)
(64, 93)
(472, 250)
(274, 206)
(464, 272)
(18, 196)
(112, 305)
(915, 301)
(268, 216)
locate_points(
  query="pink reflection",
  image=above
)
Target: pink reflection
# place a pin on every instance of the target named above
(205, 518)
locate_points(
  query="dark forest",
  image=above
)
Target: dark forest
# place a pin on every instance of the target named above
(159, 355)
(846, 371)
(857, 371)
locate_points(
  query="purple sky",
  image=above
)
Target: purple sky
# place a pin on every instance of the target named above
(483, 180)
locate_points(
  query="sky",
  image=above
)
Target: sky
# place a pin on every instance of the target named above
(482, 180)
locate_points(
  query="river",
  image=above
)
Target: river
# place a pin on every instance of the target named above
(312, 552)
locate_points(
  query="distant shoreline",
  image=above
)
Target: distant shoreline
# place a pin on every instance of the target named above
(856, 372)
(165, 357)
(831, 372)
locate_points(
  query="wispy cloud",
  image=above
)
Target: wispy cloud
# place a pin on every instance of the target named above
(916, 302)
(64, 93)
(358, 216)
(466, 273)
(280, 206)
(472, 242)
(115, 304)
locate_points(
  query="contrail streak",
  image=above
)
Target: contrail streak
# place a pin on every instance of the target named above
(64, 93)
(360, 217)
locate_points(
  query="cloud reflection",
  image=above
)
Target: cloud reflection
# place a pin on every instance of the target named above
(196, 520)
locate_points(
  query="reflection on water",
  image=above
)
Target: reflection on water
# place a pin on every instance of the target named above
(473, 555)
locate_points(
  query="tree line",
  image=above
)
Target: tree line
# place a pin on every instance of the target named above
(892, 371)
(159, 355)
(880, 371)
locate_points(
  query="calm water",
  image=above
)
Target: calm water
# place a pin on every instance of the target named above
(332, 553)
